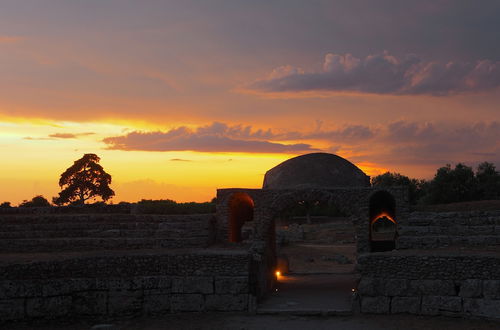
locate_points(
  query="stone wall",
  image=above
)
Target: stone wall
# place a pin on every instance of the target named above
(430, 284)
(81, 232)
(113, 285)
(427, 230)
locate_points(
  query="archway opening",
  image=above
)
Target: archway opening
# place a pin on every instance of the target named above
(315, 250)
(383, 224)
(241, 207)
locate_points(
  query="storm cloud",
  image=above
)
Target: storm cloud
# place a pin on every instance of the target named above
(385, 74)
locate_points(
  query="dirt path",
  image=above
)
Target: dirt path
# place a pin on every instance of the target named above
(230, 321)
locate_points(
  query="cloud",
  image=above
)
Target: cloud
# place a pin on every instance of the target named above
(217, 137)
(411, 143)
(180, 160)
(59, 136)
(69, 135)
(385, 74)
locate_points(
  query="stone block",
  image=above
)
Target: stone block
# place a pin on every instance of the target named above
(11, 289)
(193, 284)
(156, 304)
(232, 285)
(435, 305)
(482, 307)
(11, 309)
(187, 303)
(405, 305)
(114, 284)
(375, 305)
(125, 302)
(491, 289)
(471, 288)
(432, 287)
(226, 302)
(48, 307)
(157, 282)
(395, 287)
(56, 287)
(368, 286)
(90, 303)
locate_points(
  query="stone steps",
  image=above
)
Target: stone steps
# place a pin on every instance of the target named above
(81, 244)
(68, 226)
(175, 233)
(47, 233)
(98, 218)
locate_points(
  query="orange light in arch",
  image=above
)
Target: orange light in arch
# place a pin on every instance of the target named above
(381, 215)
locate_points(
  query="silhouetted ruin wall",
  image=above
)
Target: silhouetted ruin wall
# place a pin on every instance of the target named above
(461, 284)
(428, 230)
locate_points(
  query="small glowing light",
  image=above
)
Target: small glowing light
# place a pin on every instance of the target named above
(353, 290)
(278, 273)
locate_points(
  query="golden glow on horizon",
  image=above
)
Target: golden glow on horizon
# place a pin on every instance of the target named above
(33, 162)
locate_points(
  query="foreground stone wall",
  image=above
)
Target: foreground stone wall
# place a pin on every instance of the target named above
(430, 284)
(428, 230)
(121, 285)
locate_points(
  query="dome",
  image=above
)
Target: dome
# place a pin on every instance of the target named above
(316, 170)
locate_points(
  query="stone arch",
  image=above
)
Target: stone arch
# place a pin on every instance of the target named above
(241, 209)
(382, 221)
(282, 201)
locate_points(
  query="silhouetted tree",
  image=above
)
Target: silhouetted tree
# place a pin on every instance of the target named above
(37, 201)
(85, 180)
(488, 181)
(417, 188)
(453, 185)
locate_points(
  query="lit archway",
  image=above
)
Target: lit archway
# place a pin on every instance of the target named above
(383, 224)
(241, 207)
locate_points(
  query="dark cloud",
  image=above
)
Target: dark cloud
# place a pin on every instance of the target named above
(385, 74)
(217, 137)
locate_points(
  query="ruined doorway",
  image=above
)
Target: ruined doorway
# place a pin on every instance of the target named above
(383, 224)
(241, 212)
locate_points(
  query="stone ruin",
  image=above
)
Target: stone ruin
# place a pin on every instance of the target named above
(114, 261)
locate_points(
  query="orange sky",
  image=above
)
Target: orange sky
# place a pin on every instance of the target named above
(181, 98)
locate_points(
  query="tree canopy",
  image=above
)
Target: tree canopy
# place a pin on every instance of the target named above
(417, 188)
(449, 184)
(84, 180)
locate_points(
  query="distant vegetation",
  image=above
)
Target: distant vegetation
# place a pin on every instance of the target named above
(167, 206)
(37, 201)
(449, 185)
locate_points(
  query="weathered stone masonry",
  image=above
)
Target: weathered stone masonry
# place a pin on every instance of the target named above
(447, 284)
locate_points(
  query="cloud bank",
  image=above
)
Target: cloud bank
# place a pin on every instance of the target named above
(396, 144)
(384, 74)
(217, 137)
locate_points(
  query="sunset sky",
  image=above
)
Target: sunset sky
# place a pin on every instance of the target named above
(181, 97)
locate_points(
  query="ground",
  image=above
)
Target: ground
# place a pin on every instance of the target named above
(222, 321)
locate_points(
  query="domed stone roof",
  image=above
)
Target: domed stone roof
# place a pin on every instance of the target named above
(316, 170)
